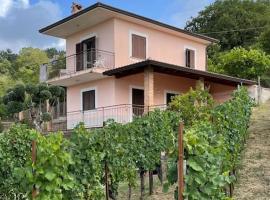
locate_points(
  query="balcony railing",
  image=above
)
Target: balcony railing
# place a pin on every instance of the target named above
(72, 64)
(124, 113)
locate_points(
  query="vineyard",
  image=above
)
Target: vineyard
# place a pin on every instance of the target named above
(94, 164)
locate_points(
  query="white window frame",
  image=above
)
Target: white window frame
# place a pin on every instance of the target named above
(195, 55)
(86, 90)
(169, 92)
(132, 32)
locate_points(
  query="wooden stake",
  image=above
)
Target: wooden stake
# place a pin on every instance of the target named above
(180, 162)
(151, 182)
(34, 158)
(106, 181)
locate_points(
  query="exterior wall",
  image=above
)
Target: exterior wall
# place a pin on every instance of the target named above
(161, 46)
(221, 92)
(259, 94)
(104, 94)
(104, 33)
(162, 83)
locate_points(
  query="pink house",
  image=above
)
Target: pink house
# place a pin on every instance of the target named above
(120, 64)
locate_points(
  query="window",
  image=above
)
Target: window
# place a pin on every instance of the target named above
(88, 100)
(169, 97)
(190, 58)
(138, 46)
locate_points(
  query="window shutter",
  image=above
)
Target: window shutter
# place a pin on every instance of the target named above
(187, 58)
(192, 59)
(138, 46)
(79, 57)
(89, 100)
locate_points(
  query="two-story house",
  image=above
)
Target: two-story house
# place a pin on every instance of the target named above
(120, 64)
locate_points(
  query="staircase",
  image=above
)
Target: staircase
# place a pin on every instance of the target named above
(254, 174)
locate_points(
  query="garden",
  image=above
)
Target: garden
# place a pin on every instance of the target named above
(95, 164)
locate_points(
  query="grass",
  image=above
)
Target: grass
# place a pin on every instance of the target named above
(254, 175)
(158, 194)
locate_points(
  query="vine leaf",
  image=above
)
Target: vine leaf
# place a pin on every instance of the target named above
(50, 176)
(194, 165)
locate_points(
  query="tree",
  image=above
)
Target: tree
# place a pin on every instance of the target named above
(224, 15)
(28, 63)
(264, 41)
(242, 63)
(31, 98)
(8, 55)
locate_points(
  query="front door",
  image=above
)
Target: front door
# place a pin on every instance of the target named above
(137, 101)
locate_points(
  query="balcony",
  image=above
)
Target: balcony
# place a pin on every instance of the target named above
(62, 68)
(123, 114)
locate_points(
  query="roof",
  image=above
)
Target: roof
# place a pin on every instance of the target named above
(119, 11)
(177, 71)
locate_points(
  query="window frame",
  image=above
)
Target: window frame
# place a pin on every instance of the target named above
(195, 56)
(169, 92)
(131, 32)
(87, 90)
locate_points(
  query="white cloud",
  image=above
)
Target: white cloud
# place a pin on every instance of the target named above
(21, 21)
(5, 7)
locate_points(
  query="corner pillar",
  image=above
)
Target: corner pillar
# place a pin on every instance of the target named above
(148, 87)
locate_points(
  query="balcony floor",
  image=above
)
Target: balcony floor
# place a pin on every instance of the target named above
(78, 77)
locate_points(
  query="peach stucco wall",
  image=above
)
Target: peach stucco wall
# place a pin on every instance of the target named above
(221, 92)
(116, 91)
(114, 36)
(104, 94)
(104, 33)
(162, 83)
(161, 46)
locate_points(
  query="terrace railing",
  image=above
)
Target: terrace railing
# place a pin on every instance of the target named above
(124, 113)
(79, 62)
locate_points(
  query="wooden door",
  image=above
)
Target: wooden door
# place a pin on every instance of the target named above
(137, 101)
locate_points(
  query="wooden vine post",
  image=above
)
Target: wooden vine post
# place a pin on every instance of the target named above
(106, 180)
(34, 158)
(180, 162)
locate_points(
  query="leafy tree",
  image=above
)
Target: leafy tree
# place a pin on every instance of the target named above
(224, 15)
(264, 41)
(31, 98)
(28, 64)
(242, 63)
(8, 55)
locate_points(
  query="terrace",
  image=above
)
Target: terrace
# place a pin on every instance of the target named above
(77, 67)
(95, 118)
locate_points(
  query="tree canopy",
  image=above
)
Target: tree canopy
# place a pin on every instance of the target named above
(240, 18)
(242, 63)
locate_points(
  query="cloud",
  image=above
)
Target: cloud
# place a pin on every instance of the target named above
(5, 7)
(20, 22)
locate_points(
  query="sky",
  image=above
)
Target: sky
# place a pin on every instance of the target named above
(20, 20)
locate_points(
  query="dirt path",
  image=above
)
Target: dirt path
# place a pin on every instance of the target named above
(254, 174)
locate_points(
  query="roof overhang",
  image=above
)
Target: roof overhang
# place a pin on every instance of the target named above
(99, 13)
(176, 70)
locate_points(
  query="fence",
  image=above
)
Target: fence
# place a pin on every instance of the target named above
(119, 113)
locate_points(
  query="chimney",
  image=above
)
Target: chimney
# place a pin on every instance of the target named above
(75, 7)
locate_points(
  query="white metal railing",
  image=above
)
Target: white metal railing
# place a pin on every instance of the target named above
(119, 113)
